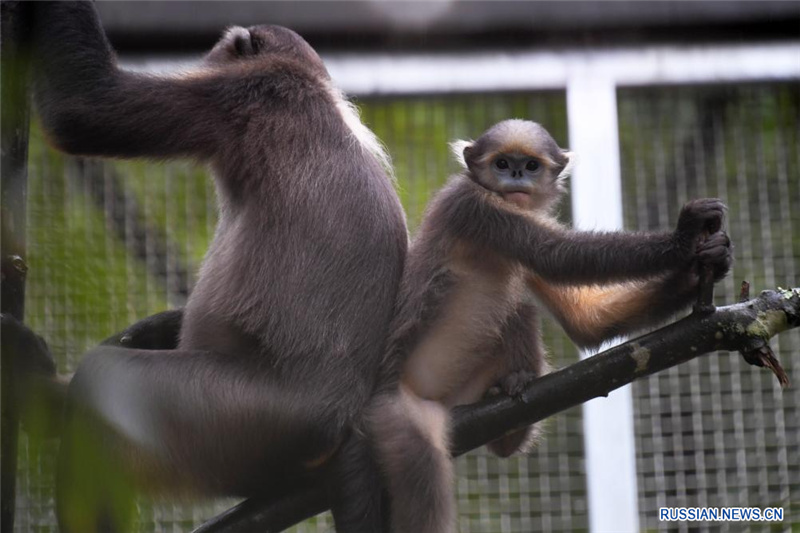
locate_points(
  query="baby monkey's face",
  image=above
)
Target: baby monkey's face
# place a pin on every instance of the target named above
(517, 177)
(520, 162)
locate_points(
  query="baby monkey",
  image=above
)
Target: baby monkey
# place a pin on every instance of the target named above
(488, 254)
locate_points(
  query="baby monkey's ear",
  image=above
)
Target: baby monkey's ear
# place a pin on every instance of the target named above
(565, 167)
(462, 151)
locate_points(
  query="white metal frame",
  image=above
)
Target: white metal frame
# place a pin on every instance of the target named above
(590, 78)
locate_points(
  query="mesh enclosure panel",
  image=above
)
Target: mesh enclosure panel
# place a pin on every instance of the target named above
(715, 431)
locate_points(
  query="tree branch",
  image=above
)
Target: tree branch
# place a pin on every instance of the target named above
(745, 327)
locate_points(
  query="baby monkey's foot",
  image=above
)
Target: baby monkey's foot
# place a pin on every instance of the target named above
(513, 384)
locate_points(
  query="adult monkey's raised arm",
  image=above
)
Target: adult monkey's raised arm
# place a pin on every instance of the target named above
(89, 106)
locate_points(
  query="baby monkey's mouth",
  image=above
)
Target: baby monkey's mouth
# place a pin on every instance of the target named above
(520, 198)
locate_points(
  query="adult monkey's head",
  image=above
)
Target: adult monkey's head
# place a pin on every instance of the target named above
(263, 43)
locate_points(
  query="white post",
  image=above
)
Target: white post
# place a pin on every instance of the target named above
(597, 204)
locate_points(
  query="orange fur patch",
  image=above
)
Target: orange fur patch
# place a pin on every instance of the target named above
(587, 312)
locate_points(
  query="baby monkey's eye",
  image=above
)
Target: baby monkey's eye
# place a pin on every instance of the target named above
(532, 165)
(502, 164)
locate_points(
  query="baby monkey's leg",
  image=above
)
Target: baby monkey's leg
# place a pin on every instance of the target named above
(522, 351)
(411, 436)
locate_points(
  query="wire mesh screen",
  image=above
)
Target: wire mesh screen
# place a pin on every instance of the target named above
(717, 432)
(113, 242)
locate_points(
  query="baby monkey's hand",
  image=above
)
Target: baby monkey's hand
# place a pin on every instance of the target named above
(716, 252)
(698, 218)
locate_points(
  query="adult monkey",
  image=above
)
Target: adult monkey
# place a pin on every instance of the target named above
(283, 333)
